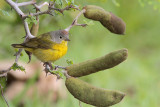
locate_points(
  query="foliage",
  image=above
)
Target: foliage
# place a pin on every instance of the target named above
(69, 62)
(58, 72)
(15, 67)
(31, 20)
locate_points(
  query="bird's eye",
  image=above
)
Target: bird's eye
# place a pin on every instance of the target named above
(60, 37)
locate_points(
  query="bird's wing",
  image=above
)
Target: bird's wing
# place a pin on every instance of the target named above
(39, 43)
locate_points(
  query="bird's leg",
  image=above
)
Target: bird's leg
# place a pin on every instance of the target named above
(29, 55)
(49, 64)
(48, 67)
(46, 70)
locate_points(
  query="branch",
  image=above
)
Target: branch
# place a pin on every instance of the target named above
(74, 23)
(28, 33)
(37, 14)
(18, 10)
(3, 73)
(38, 9)
(15, 7)
(65, 8)
(18, 54)
(26, 3)
(40, 6)
(49, 11)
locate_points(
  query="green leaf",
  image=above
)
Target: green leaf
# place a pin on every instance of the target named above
(59, 2)
(28, 20)
(31, 20)
(53, 65)
(16, 50)
(58, 72)
(69, 2)
(15, 67)
(69, 62)
(21, 54)
(34, 20)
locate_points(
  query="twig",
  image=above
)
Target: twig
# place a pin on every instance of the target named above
(15, 7)
(38, 13)
(28, 33)
(65, 8)
(35, 27)
(65, 74)
(57, 66)
(49, 11)
(40, 6)
(18, 54)
(4, 73)
(3, 95)
(74, 23)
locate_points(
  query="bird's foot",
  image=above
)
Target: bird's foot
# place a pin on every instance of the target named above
(48, 66)
(52, 70)
(29, 55)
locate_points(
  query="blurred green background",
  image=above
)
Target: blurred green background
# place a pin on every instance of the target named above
(138, 76)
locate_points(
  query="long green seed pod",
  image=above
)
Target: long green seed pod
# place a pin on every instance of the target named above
(92, 95)
(113, 23)
(91, 66)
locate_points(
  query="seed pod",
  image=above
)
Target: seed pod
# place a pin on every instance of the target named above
(92, 95)
(91, 66)
(96, 13)
(113, 23)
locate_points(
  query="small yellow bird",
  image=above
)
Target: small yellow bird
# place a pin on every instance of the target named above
(47, 47)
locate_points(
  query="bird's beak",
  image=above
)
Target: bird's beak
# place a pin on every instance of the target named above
(67, 39)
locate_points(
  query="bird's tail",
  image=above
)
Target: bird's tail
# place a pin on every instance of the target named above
(17, 45)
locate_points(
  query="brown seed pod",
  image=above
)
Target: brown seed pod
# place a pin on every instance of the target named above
(113, 23)
(92, 95)
(95, 65)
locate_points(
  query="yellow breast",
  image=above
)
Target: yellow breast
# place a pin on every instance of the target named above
(50, 55)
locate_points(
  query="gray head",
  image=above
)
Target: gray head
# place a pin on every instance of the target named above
(59, 36)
